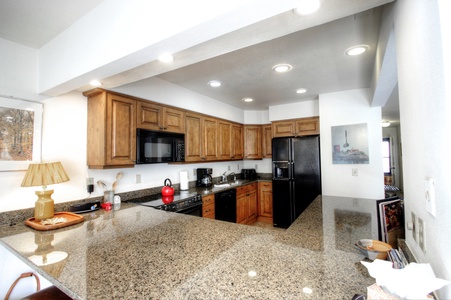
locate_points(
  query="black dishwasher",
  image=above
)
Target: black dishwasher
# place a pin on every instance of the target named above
(225, 206)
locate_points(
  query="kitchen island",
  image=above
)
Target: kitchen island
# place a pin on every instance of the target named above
(141, 253)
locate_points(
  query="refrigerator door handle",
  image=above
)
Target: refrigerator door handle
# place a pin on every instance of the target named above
(290, 170)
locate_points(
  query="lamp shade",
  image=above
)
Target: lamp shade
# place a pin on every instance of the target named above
(44, 174)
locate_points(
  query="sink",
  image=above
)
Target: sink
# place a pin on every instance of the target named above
(237, 182)
(222, 185)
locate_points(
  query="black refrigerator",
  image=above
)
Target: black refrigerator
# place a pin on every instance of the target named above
(296, 176)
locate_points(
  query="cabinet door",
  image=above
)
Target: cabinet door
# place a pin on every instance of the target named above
(242, 208)
(225, 136)
(307, 126)
(253, 199)
(237, 141)
(265, 199)
(267, 141)
(252, 142)
(173, 120)
(283, 128)
(121, 131)
(193, 137)
(149, 116)
(210, 139)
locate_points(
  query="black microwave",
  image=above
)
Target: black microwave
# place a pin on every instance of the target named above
(159, 147)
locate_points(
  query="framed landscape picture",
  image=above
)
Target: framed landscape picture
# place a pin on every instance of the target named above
(20, 134)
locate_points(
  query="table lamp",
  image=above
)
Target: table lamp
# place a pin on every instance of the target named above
(44, 174)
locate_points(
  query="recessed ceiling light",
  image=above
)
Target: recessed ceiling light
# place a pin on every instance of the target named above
(307, 7)
(166, 57)
(247, 99)
(95, 83)
(282, 68)
(214, 83)
(301, 91)
(357, 50)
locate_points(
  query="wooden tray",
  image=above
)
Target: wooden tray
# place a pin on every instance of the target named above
(71, 220)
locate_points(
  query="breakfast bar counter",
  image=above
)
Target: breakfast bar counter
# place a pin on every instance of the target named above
(138, 252)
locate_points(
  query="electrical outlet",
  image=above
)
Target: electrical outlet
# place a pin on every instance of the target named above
(228, 168)
(90, 184)
(414, 226)
(421, 235)
(138, 178)
(256, 166)
(238, 167)
(355, 172)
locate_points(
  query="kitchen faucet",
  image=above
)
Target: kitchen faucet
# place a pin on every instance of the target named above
(234, 176)
(224, 176)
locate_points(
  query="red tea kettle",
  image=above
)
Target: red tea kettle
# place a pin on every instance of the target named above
(167, 189)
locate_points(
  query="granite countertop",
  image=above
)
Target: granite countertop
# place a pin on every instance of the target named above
(138, 252)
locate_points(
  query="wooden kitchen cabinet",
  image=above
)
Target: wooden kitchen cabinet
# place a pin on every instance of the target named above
(230, 144)
(296, 127)
(201, 138)
(225, 140)
(267, 141)
(253, 142)
(246, 204)
(111, 130)
(237, 141)
(208, 206)
(265, 202)
(152, 116)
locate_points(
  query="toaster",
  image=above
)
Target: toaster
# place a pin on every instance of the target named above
(248, 174)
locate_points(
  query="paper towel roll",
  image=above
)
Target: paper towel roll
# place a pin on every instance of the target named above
(184, 180)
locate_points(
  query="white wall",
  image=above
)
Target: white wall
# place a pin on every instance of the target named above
(19, 68)
(345, 108)
(303, 109)
(423, 55)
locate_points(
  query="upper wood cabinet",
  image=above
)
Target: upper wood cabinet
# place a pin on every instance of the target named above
(201, 138)
(157, 117)
(230, 144)
(252, 142)
(267, 141)
(237, 141)
(225, 140)
(111, 130)
(296, 127)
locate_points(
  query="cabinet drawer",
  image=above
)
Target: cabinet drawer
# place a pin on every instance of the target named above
(210, 199)
(208, 210)
(246, 188)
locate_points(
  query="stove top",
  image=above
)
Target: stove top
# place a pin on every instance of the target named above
(178, 201)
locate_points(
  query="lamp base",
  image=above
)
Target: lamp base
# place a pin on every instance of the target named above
(44, 207)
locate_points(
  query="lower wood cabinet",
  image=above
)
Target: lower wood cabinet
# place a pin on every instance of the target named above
(208, 206)
(265, 202)
(246, 204)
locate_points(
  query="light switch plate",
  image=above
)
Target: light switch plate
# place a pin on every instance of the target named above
(421, 235)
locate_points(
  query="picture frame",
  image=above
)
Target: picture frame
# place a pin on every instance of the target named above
(20, 133)
(350, 144)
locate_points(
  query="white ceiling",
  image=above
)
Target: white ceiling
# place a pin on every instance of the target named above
(316, 53)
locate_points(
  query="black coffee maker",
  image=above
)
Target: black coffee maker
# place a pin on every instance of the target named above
(204, 178)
